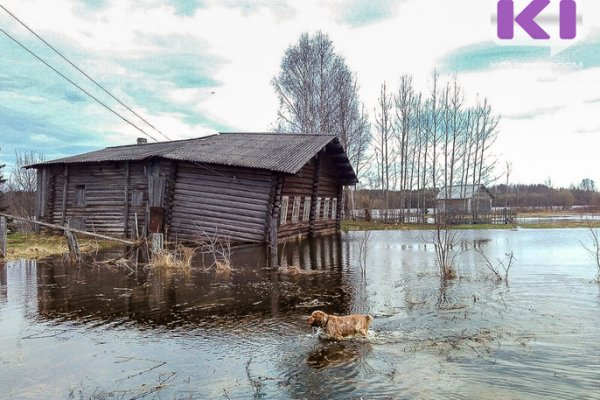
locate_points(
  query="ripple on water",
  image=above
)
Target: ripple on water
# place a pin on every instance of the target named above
(245, 335)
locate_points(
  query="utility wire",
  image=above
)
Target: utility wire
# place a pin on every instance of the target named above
(76, 85)
(82, 72)
(97, 84)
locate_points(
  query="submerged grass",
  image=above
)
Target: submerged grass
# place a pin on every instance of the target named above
(34, 246)
(179, 257)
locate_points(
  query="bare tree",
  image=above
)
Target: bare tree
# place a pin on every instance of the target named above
(383, 145)
(432, 127)
(508, 172)
(22, 184)
(405, 110)
(593, 250)
(3, 206)
(318, 93)
(487, 124)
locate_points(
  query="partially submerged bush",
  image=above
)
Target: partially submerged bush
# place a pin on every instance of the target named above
(178, 258)
(218, 249)
(594, 249)
(501, 270)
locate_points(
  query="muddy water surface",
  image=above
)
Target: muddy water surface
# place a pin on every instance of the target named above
(102, 333)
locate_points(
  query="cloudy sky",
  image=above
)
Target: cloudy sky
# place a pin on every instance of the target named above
(193, 67)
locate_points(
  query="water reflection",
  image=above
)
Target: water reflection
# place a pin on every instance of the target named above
(94, 293)
(98, 332)
(335, 354)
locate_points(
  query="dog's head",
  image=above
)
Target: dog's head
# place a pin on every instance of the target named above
(317, 318)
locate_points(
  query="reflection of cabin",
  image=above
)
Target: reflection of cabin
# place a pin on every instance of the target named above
(464, 200)
(154, 300)
(250, 187)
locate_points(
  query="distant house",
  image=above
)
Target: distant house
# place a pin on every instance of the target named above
(471, 199)
(249, 187)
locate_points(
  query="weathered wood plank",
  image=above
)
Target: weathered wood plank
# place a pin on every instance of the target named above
(192, 201)
(64, 199)
(194, 191)
(61, 227)
(220, 224)
(314, 195)
(204, 213)
(3, 236)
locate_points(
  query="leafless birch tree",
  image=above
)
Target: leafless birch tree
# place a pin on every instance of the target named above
(22, 184)
(318, 93)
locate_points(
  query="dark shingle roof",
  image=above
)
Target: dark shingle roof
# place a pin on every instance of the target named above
(286, 153)
(460, 192)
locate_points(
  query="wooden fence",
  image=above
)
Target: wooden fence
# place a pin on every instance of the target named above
(399, 216)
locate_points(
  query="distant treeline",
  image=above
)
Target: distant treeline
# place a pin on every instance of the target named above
(536, 196)
(544, 197)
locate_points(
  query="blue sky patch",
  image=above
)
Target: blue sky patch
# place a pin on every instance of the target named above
(364, 12)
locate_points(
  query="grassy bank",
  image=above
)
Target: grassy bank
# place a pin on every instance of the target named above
(33, 246)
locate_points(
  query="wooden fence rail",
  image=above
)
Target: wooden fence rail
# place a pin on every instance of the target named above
(74, 252)
(63, 228)
(399, 216)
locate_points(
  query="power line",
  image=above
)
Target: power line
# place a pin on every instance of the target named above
(82, 72)
(76, 85)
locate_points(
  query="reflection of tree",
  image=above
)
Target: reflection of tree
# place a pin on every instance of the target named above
(442, 296)
(3, 284)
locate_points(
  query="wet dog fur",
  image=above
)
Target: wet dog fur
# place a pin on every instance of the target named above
(338, 328)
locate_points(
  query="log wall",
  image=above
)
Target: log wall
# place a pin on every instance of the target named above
(239, 203)
(232, 201)
(302, 185)
(94, 199)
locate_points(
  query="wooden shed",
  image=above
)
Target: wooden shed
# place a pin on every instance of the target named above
(249, 187)
(471, 200)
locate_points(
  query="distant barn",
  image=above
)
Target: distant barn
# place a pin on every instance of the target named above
(249, 187)
(471, 200)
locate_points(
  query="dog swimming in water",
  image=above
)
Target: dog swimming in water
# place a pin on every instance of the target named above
(339, 328)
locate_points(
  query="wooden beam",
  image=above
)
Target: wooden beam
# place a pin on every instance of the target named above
(38, 193)
(270, 207)
(74, 253)
(338, 210)
(126, 201)
(60, 227)
(3, 234)
(64, 200)
(274, 223)
(314, 195)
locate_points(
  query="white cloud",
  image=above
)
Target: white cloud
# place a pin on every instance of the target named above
(242, 43)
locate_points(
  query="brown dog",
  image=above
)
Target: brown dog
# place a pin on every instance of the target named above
(338, 328)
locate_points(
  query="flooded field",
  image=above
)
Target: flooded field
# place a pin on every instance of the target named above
(95, 332)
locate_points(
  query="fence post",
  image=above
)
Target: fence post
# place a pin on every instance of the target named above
(74, 253)
(3, 233)
(158, 242)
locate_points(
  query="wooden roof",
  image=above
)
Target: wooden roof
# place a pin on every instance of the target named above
(461, 192)
(286, 153)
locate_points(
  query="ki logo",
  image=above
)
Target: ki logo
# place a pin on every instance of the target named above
(526, 19)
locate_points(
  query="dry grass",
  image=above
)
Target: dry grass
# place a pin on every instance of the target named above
(178, 258)
(33, 246)
(292, 270)
(217, 248)
(222, 267)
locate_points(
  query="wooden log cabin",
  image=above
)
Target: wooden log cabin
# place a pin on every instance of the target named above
(471, 200)
(248, 187)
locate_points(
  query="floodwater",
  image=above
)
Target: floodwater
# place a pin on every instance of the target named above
(95, 332)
